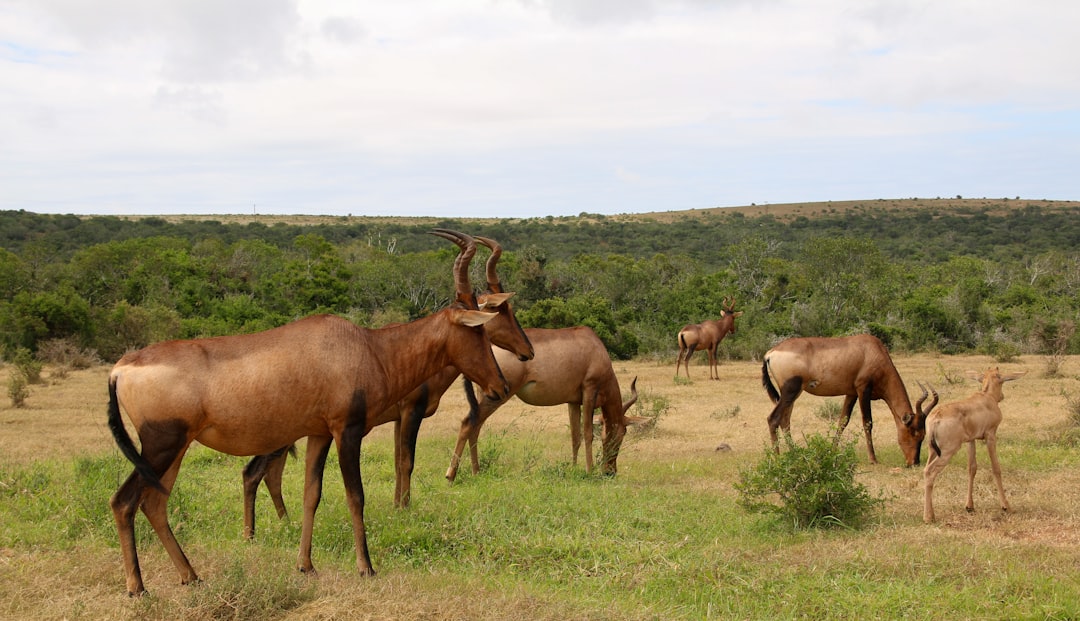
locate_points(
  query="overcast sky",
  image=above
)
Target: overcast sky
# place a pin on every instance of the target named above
(524, 108)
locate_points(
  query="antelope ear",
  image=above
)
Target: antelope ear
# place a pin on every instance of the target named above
(1012, 376)
(974, 375)
(492, 300)
(908, 419)
(736, 314)
(633, 420)
(472, 318)
(723, 313)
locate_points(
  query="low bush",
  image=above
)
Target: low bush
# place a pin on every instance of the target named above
(810, 486)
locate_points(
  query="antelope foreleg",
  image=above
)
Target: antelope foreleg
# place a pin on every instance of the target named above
(845, 416)
(405, 434)
(459, 448)
(253, 474)
(868, 423)
(714, 372)
(574, 410)
(274, 471)
(349, 457)
(314, 461)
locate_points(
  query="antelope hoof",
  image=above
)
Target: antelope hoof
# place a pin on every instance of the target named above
(970, 509)
(308, 571)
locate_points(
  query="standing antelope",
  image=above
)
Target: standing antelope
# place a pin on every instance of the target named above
(858, 367)
(706, 335)
(571, 366)
(962, 422)
(252, 394)
(504, 331)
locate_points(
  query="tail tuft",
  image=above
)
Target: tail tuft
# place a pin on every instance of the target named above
(774, 396)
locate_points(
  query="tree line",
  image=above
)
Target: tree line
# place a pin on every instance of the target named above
(998, 279)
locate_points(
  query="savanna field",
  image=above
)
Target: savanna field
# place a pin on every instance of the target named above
(533, 537)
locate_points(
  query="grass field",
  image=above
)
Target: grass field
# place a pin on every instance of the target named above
(532, 537)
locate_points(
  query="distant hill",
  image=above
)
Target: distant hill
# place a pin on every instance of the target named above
(915, 229)
(781, 211)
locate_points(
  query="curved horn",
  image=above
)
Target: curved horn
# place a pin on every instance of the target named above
(496, 252)
(461, 264)
(922, 397)
(633, 397)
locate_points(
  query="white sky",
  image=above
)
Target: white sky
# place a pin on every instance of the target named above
(523, 108)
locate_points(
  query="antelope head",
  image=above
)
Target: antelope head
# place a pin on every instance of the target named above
(728, 310)
(470, 348)
(613, 437)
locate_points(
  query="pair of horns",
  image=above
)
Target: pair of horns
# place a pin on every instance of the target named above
(467, 243)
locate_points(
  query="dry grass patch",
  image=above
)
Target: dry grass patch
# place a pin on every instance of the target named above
(663, 539)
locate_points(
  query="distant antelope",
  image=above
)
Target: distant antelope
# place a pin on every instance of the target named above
(858, 367)
(706, 335)
(571, 366)
(255, 393)
(504, 332)
(962, 422)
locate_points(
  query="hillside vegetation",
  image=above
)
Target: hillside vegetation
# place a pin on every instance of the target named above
(949, 275)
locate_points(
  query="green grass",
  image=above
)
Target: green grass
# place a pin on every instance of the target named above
(663, 539)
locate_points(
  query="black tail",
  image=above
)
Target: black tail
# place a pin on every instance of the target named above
(934, 445)
(767, 383)
(127, 447)
(474, 406)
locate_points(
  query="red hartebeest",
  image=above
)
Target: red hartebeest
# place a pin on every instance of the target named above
(252, 394)
(962, 422)
(858, 367)
(706, 335)
(571, 366)
(504, 331)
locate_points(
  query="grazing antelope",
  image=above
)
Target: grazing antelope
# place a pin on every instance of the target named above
(504, 331)
(255, 393)
(706, 335)
(571, 366)
(858, 367)
(962, 422)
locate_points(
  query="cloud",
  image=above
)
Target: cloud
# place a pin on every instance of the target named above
(555, 101)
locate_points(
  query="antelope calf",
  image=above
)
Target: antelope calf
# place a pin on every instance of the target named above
(960, 422)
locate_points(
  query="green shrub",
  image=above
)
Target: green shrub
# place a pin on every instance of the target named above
(17, 388)
(810, 486)
(26, 364)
